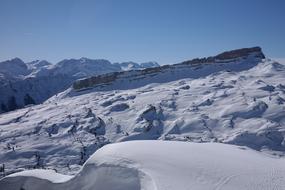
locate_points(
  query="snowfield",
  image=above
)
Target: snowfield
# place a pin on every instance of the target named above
(228, 102)
(162, 165)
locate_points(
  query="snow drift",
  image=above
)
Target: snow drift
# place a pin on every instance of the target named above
(162, 165)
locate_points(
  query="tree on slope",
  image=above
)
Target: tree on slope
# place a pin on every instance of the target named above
(28, 100)
(12, 105)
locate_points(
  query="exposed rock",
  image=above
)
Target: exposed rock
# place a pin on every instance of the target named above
(240, 53)
(194, 64)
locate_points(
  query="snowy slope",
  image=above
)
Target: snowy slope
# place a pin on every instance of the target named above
(161, 165)
(244, 106)
(22, 83)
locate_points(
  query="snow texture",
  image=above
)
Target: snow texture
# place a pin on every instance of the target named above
(204, 103)
(162, 165)
(228, 110)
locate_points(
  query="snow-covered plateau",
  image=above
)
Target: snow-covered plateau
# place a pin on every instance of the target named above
(228, 109)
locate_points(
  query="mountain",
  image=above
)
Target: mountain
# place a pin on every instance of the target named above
(136, 66)
(22, 83)
(235, 60)
(14, 68)
(236, 97)
(161, 165)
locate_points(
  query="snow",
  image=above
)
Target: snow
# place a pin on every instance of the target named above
(228, 107)
(229, 113)
(40, 79)
(126, 66)
(163, 165)
(14, 68)
(49, 175)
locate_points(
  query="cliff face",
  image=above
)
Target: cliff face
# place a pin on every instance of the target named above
(228, 56)
(230, 60)
(244, 52)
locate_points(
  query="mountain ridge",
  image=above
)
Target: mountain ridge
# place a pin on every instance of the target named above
(40, 79)
(234, 101)
(225, 57)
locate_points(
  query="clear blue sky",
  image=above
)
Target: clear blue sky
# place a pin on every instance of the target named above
(167, 31)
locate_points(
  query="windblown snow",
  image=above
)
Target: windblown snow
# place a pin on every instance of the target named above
(162, 165)
(238, 101)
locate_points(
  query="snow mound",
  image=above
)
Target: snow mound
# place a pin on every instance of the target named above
(162, 165)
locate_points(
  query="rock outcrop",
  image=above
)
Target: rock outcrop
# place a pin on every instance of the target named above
(247, 56)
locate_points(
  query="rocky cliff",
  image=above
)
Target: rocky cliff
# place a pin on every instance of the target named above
(233, 60)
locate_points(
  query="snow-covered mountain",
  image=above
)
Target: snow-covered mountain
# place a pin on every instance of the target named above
(14, 68)
(22, 83)
(126, 66)
(161, 165)
(236, 60)
(236, 97)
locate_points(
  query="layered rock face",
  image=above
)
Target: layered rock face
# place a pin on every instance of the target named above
(244, 52)
(244, 59)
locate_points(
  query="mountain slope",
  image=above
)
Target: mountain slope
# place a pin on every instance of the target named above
(22, 83)
(158, 165)
(14, 68)
(244, 106)
(236, 60)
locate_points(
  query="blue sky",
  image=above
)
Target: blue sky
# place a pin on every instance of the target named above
(167, 31)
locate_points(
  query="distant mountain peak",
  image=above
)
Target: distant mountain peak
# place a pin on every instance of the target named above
(149, 64)
(14, 67)
(16, 59)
